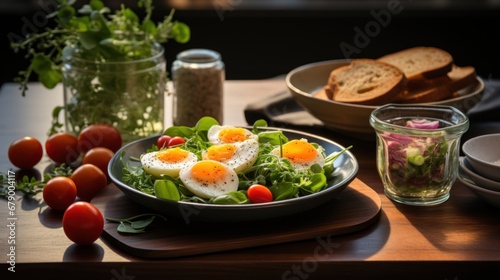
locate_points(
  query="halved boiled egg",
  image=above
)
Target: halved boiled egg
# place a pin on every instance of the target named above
(209, 178)
(218, 134)
(238, 155)
(300, 153)
(167, 161)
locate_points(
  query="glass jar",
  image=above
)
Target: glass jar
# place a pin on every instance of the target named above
(126, 94)
(198, 76)
(418, 149)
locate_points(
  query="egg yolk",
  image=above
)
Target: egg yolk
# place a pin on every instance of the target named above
(233, 134)
(208, 171)
(299, 151)
(220, 152)
(172, 155)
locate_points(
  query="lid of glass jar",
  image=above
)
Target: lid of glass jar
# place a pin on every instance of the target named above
(199, 56)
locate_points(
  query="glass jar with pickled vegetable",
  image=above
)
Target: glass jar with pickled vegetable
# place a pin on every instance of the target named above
(418, 149)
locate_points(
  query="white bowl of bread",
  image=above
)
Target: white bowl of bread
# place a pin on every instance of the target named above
(343, 93)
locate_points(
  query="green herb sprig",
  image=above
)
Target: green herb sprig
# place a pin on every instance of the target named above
(31, 185)
(97, 34)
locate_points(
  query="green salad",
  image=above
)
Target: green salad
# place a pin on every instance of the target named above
(222, 164)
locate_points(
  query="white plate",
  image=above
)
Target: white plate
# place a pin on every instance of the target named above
(478, 179)
(481, 152)
(489, 196)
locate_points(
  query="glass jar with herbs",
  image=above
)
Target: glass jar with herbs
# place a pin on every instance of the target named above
(112, 66)
(128, 94)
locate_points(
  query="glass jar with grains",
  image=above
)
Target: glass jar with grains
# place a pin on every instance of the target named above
(198, 76)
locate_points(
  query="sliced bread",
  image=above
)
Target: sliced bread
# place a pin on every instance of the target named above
(365, 81)
(440, 88)
(420, 63)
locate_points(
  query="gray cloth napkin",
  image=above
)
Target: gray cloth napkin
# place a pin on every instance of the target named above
(281, 109)
(488, 109)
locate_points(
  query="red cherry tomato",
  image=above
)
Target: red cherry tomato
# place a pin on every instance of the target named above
(162, 141)
(89, 181)
(176, 140)
(258, 194)
(100, 157)
(83, 223)
(59, 193)
(25, 152)
(62, 147)
(99, 135)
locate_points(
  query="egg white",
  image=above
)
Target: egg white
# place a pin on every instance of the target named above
(300, 163)
(215, 137)
(213, 186)
(244, 156)
(153, 165)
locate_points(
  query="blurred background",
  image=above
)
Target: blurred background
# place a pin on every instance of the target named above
(261, 39)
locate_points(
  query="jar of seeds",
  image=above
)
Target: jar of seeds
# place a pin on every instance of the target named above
(198, 76)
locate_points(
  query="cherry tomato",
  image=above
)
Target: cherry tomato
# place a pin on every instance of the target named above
(83, 223)
(100, 157)
(62, 147)
(162, 141)
(99, 135)
(59, 193)
(25, 152)
(176, 140)
(89, 181)
(258, 194)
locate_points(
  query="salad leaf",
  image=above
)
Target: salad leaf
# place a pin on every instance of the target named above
(284, 190)
(272, 137)
(135, 224)
(166, 189)
(315, 183)
(182, 131)
(236, 197)
(257, 124)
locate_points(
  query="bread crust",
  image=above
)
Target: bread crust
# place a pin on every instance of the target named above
(376, 82)
(365, 82)
(440, 88)
(420, 62)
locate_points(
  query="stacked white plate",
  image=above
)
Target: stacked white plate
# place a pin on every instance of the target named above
(479, 169)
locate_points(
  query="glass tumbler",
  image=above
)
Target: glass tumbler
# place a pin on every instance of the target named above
(418, 149)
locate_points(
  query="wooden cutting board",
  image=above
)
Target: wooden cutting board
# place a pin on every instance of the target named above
(354, 209)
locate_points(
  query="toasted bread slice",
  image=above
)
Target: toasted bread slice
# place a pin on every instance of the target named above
(441, 88)
(322, 93)
(420, 63)
(365, 81)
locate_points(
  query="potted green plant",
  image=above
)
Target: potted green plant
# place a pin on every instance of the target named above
(111, 64)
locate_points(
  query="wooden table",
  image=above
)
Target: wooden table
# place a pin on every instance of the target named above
(459, 239)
